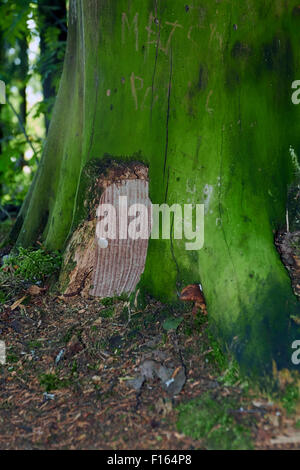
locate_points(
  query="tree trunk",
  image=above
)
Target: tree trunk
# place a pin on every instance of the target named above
(23, 77)
(2, 58)
(200, 93)
(52, 14)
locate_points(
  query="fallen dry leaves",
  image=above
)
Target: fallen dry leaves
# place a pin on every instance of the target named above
(90, 357)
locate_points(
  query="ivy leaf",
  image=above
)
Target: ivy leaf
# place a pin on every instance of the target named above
(172, 323)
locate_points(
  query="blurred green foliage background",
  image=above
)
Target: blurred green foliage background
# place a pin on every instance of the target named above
(32, 46)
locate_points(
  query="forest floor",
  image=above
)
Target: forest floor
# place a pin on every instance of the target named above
(71, 364)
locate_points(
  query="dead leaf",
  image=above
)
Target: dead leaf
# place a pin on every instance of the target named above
(96, 379)
(175, 372)
(163, 407)
(18, 303)
(35, 290)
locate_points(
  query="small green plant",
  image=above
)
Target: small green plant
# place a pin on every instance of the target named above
(111, 301)
(123, 297)
(52, 382)
(213, 421)
(108, 302)
(107, 313)
(225, 364)
(11, 357)
(216, 356)
(172, 323)
(3, 297)
(74, 368)
(188, 330)
(33, 265)
(290, 398)
(231, 375)
(34, 344)
(67, 337)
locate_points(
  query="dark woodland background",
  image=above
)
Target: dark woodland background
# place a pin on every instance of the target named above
(33, 38)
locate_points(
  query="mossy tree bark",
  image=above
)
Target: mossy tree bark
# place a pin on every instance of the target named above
(200, 92)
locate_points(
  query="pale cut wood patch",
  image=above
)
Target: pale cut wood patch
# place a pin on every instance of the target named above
(82, 260)
(118, 267)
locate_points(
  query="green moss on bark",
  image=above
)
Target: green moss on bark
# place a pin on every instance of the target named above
(204, 95)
